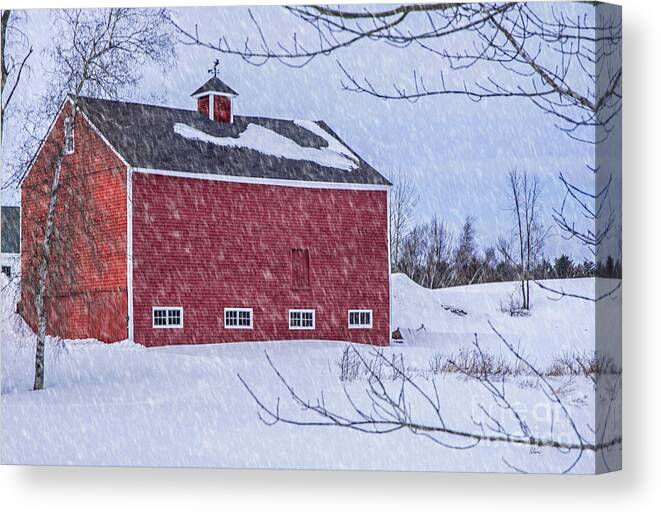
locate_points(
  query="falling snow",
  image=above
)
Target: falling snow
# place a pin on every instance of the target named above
(123, 404)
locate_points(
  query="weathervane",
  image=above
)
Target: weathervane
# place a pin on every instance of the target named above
(214, 70)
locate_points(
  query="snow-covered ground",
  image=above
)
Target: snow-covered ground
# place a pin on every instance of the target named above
(123, 404)
(556, 325)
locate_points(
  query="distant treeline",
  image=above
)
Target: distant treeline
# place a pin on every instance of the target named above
(432, 257)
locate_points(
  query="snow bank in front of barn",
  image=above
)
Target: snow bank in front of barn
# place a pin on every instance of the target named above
(68, 362)
(259, 138)
(16, 342)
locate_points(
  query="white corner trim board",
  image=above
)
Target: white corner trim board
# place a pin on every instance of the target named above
(129, 251)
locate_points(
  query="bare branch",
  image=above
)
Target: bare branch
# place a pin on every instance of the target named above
(390, 411)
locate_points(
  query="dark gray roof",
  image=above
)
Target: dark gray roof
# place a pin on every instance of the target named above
(144, 136)
(11, 226)
(215, 85)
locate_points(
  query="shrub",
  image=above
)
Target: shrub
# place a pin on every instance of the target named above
(376, 366)
(350, 365)
(587, 364)
(513, 306)
(473, 363)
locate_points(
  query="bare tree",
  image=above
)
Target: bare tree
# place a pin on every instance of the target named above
(12, 64)
(403, 200)
(438, 262)
(541, 54)
(552, 57)
(98, 52)
(566, 61)
(601, 210)
(387, 408)
(528, 233)
(414, 249)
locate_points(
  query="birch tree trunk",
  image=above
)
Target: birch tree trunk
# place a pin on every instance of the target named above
(102, 51)
(42, 275)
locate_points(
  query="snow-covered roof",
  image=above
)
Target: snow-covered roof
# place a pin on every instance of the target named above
(162, 138)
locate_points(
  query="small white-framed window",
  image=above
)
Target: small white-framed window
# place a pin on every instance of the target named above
(167, 317)
(69, 143)
(360, 318)
(238, 317)
(301, 319)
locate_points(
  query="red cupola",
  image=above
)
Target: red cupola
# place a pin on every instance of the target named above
(214, 99)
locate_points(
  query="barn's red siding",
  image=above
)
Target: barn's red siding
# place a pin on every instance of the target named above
(206, 245)
(87, 296)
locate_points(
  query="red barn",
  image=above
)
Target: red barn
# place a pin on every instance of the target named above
(205, 227)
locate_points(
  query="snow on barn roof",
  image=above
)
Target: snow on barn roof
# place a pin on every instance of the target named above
(163, 138)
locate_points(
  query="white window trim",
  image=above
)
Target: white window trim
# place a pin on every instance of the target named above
(69, 121)
(359, 325)
(238, 309)
(314, 319)
(167, 308)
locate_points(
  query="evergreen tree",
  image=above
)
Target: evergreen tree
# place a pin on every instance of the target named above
(564, 267)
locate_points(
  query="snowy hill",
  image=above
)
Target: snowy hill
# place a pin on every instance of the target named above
(554, 326)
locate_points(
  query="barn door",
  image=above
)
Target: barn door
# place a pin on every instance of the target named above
(106, 316)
